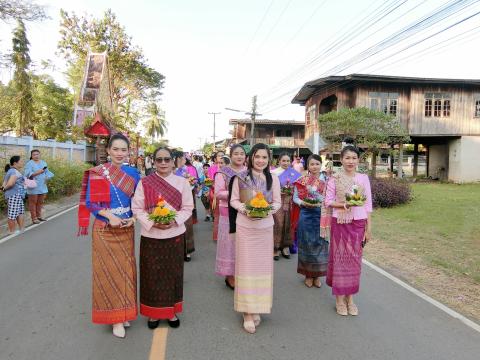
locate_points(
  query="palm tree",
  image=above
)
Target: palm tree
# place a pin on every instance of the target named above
(156, 124)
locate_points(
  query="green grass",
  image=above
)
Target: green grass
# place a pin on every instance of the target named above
(441, 224)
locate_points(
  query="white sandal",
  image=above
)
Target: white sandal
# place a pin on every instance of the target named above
(119, 330)
(249, 325)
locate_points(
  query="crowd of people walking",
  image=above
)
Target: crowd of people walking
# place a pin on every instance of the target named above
(260, 213)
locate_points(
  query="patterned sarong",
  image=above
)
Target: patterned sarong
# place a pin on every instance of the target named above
(281, 229)
(312, 249)
(345, 261)
(114, 274)
(161, 277)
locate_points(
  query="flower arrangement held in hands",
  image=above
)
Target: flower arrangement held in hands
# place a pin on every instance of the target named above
(258, 206)
(287, 189)
(208, 182)
(313, 197)
(161, 214)
(355, 198)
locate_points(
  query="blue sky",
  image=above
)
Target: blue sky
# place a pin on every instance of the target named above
(218, 54)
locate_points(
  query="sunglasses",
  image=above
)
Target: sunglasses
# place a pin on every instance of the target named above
(163, 160)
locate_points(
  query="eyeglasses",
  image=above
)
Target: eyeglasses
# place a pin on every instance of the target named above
(163, 160)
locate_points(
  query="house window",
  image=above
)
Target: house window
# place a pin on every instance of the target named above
(438, 102)
(477, 108)
(383, 101)
(446, 108)
(428, 107)
(288, 133)
(278, 133)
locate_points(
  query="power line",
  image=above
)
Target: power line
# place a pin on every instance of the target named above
(275, 25)
(259, 25)
(433, 18)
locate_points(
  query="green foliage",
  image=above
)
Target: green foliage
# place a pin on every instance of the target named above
(53, 109)
(7, 108)
(208, 150)
(21, 9)
(67, 180)
(21, 80)
(130, 75)
(156, 125)
(68, 177)
(369, 127)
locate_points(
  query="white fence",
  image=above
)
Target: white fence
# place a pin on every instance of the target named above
(10, 145)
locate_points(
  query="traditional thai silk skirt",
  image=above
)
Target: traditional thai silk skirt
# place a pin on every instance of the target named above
(345, 261)
(161, 277)
(253, 270)
(312, 249)
(194, 211)
(114, 277)
(216, 219)
(281, 230)
(189, 236)
(225, 261)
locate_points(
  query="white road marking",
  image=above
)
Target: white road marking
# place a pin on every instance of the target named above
(425, 297)
(9, 237)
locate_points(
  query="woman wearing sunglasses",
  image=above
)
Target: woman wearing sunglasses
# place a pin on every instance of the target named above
(162, 245)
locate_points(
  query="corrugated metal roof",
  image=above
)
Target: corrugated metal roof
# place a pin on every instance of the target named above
(309, 88)
(267, 122)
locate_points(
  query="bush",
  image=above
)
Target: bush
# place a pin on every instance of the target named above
(389, 193)
(68, 177)
(67, 180)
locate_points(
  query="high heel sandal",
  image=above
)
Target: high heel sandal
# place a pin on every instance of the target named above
(119, 330)
(257, 319)
(352, 309)
(227, 283)
(317, 283)
(308, 282)
(249, 326)
(342, 309)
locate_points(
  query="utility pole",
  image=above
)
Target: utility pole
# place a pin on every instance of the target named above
(253, 114)
(214, 114)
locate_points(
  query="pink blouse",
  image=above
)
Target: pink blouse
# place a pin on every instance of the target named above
(138, 208)
(244, 220)
(359, 212)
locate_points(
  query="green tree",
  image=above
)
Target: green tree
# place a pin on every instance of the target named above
(156, 125)
(131, 76)
(127, 115)
(21, 79)
(22, 10)
(53, 109)
(7, 108)
(368, 127)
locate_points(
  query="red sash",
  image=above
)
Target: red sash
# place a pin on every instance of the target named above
(100, 190)
(155, 186)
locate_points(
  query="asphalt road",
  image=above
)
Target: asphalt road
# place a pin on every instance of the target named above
(45, 292)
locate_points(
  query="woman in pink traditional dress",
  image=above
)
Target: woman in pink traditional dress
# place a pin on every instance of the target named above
(225, 260)
(162, 245)
(211, 174)
(254, 238)
(350, 230)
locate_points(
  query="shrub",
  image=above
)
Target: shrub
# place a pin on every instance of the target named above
(68, 177)
(389, 193)
(67, 180)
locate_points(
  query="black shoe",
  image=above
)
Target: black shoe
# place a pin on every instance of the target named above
(153, 324)
(276, 257)
(286, 256)
(174, 323)
(207, 219)
(229, 285)
(41, 219)
(187, 258)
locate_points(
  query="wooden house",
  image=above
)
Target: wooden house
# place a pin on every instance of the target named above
(279, 135)
(443, 115)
